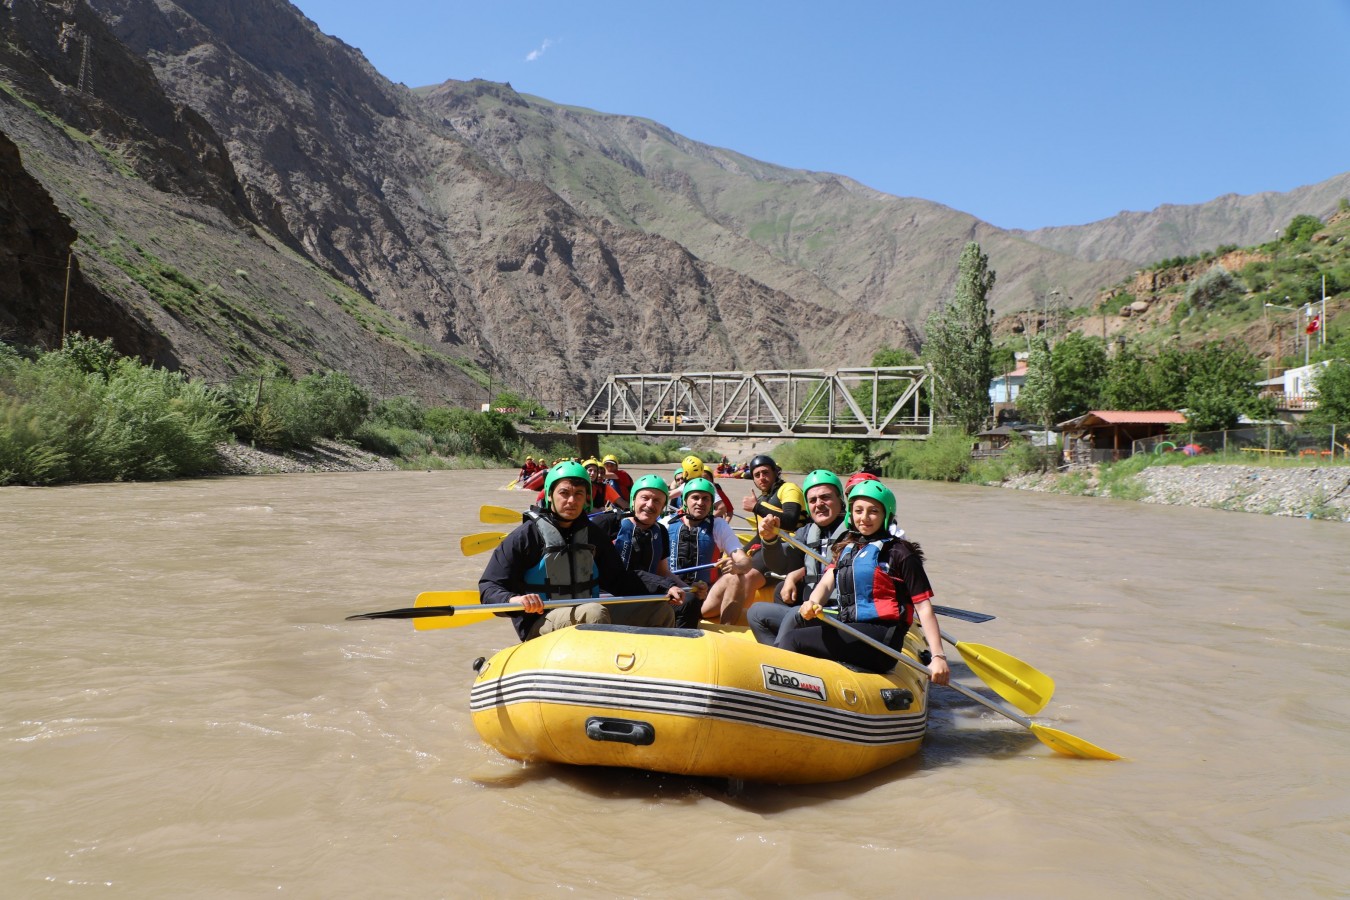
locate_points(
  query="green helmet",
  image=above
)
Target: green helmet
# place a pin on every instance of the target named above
(700, 484)
(874, 490)
(567, 469)
(823, 476)
(648, 482)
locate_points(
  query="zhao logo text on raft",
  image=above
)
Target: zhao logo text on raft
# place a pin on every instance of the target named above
(795, 683)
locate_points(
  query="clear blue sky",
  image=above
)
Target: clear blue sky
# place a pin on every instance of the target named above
(1024, 114)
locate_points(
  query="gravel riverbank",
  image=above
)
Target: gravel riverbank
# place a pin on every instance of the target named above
(327, 456)
(1321, 492)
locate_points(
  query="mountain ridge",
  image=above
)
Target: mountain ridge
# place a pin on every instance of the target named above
(241, 189)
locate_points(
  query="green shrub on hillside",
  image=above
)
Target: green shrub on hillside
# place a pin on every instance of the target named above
(1217, 287)
(273, 410)
(86, 414)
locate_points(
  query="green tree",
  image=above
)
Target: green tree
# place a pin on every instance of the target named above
(888, 391)
(511, 400)
(1301, 227)
(1126, 385)
(1333, 395)
(1037, 398)
(1079, 366)
(1220, 386)
(960, 344)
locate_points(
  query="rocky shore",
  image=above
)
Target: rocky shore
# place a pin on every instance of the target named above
(1321, 492)
(326, 456)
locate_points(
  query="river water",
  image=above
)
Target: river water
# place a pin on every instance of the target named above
(185, 712)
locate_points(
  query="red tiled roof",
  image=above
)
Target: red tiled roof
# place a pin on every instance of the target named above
(1135, 417)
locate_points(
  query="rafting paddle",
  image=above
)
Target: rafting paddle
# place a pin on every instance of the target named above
(1059, 741)
(483, 541)
(1018, 682)
(464, 608)
(499, 515)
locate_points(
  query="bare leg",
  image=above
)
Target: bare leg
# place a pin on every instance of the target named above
(723, 592)
(730, 613)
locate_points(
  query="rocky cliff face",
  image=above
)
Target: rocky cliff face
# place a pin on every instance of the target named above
(253, 190)
(816, 236)
(238, 188)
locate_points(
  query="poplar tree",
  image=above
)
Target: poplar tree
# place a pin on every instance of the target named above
(960, 343)
(1038, 397)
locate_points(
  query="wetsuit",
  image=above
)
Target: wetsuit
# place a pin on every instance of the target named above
(879, 584)
(767, 619)
(556, 561)
(784, 500)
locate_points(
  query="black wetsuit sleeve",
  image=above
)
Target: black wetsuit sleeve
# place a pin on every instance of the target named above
(780, 556)
(504, 575)
(608, 522)
(789, 514)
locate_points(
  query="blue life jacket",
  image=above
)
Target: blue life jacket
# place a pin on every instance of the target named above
(693, 547)
(641, 548)
(867, 593)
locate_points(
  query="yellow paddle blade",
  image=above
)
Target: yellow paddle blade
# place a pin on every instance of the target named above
(499, 515)
(746, 537)
(1025, 687)
(1067, 744)
(449, 598)
(473, 544)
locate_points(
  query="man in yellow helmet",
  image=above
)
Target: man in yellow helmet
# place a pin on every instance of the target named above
(692, 468)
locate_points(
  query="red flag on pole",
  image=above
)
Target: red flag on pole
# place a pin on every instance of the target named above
(1314, 324)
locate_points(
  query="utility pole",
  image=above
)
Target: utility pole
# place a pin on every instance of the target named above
(65, 305)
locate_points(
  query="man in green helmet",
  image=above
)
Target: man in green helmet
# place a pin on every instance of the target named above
(824, 494)
(697, 538)
(639, 535)
(558, 554)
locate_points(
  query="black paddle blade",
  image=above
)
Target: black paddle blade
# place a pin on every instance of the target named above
(407, 612)
(952, 612)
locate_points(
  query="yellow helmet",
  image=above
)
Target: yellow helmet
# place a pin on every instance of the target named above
(693, 468)
(610, 458)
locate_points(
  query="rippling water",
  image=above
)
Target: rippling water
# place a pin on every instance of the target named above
(185, 712)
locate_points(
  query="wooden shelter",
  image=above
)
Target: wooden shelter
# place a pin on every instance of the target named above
(1104, 435)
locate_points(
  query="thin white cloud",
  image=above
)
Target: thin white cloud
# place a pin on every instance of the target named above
(535, 54)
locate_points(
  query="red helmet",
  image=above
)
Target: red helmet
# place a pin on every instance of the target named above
(854, 479)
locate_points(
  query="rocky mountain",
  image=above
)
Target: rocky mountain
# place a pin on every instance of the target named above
(231, 187)
(813, 235)
(1171, 230)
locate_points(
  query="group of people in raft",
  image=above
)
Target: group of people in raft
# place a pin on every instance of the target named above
(679, 542)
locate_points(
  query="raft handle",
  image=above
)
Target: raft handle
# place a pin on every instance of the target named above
(897, 698)
(623, 731)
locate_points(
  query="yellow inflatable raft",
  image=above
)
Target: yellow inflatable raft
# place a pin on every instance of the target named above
(708, 703)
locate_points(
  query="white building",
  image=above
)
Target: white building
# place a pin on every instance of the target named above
(1294, 389)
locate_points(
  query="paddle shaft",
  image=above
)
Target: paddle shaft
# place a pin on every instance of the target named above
(920, 667)
(1055, 740)
(426, 612)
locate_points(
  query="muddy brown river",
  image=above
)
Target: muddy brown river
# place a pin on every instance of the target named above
(185, 712)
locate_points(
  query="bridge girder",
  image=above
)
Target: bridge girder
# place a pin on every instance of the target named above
(776, 403)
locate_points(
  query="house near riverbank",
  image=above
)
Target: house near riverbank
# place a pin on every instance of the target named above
(1292, 390)
(1106, 435)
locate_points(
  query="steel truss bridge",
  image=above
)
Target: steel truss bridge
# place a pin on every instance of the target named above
(871, 403)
